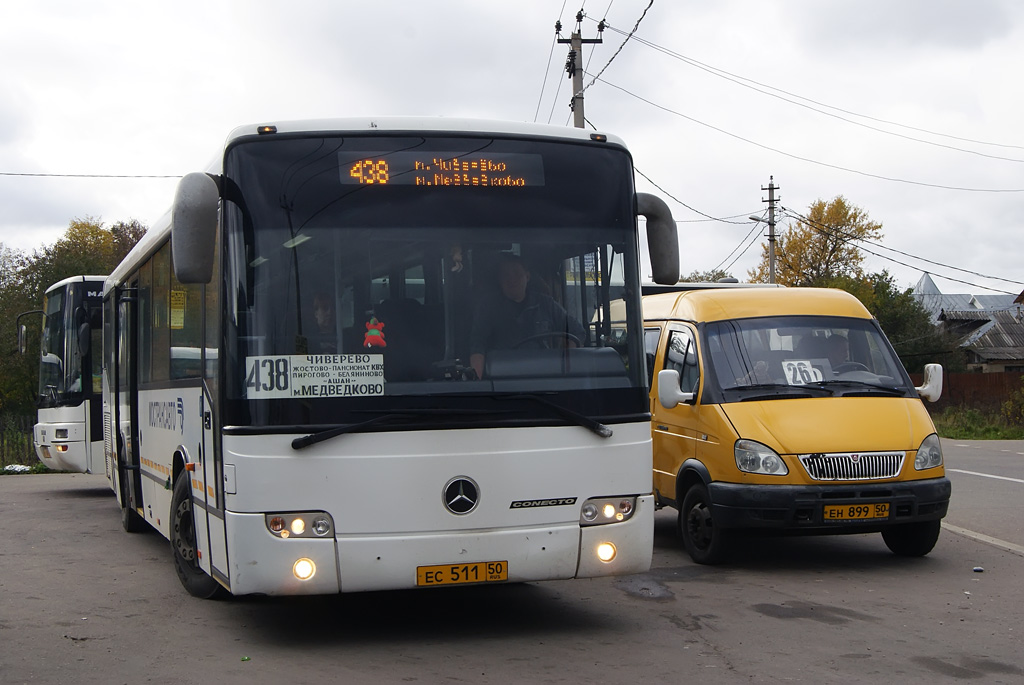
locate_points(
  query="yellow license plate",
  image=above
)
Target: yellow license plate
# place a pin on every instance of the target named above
(455, 574)
(856, 512)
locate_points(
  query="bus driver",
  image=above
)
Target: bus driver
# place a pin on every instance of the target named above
(519, 317)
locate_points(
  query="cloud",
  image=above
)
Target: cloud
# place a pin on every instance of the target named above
(903, 26)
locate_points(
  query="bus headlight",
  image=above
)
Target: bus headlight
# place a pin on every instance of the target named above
(929, 454)
(606, 552)
(600, 510)
(313, 524)
(753, 457)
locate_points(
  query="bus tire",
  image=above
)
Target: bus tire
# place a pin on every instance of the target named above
(705, 542)
(912, 539)
(183, 544)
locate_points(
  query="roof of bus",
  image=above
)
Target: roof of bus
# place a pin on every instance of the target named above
(158, 232)
(743, 303)
(392, 124)
(76, 279)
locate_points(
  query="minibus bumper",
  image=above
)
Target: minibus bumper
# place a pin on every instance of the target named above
(805, 507)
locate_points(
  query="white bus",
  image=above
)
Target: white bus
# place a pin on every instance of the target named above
(68, 434)
(287, 375)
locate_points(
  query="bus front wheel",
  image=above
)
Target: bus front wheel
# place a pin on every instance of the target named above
(183, 544)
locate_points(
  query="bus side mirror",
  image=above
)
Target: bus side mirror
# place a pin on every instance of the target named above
(22, 339)
(194, 228)
(662, 238)
(669, 393)
(931, 389)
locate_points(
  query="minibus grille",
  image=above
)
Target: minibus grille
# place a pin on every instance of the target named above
(853, 466)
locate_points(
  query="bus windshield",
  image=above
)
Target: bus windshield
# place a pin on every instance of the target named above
(61, 374)
(388, 273)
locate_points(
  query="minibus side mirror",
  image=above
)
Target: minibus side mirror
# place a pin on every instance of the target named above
(931, 389)
(194, 228)
(662, 238)
(669, 393)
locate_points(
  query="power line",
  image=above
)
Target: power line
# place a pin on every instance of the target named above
(600, 27)
(846, 238)
(721, 73)
(733, 251)
(676, 199)
(808, 159)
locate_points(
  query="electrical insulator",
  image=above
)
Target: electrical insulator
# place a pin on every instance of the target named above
(558, 27)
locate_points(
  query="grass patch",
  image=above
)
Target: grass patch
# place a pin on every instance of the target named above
(961, 423)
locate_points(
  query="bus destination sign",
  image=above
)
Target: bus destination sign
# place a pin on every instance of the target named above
(444, 168)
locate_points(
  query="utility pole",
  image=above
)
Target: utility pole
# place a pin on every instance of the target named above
(574, 63)
(771, 225)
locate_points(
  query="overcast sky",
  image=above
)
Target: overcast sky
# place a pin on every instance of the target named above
(910, 109)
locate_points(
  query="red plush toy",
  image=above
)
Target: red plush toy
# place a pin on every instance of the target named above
(374, 334)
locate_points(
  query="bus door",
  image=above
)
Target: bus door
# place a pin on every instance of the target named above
(219, 480)
(127, 413)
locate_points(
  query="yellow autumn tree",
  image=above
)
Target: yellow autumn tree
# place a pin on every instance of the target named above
(820, 248)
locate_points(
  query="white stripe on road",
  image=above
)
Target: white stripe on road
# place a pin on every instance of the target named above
(986, 475)
(987, 539)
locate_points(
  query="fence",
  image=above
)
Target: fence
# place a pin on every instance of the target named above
(16, 439)
(982, 391)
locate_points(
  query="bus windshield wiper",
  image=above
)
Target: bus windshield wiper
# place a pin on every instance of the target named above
(575, 417)
(327, 434)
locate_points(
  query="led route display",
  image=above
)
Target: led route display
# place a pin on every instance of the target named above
(444, 169)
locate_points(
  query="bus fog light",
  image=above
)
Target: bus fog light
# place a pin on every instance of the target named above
(61, 448)
(606, 551)
(304, 569)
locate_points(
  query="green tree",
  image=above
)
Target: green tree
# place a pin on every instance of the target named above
(821, 247)
(711, 276)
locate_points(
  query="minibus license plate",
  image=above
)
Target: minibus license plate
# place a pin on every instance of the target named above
(454, 574)
(856, 512)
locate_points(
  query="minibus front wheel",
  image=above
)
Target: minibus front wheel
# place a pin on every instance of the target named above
(912, 539)
(705, 542)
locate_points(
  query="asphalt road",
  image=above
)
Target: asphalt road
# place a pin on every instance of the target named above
(83, 602)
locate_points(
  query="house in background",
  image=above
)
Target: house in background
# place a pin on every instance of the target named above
(990, 327)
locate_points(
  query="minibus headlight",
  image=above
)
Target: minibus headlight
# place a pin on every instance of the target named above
(753, 457)
(929, 454)
(312, 524)
(599, 510)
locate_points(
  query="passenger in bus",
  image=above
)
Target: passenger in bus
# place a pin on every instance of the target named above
(326, 338)
(837, 349)
(519, 317)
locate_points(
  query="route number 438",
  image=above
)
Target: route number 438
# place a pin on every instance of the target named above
(267, 374)
(800, 372)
